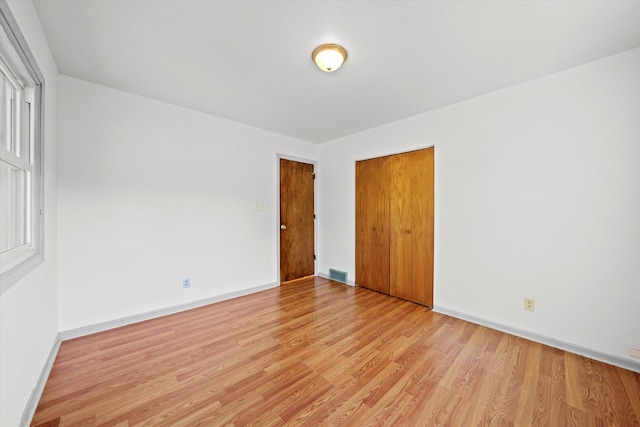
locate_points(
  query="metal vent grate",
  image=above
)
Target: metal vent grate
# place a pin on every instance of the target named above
(340, 276)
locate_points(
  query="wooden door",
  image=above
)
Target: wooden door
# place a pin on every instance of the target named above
(297, 257)
(372, 224)
(411, 214)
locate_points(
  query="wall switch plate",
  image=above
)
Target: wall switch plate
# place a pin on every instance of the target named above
(186, 283)
(529, 304)
(634, 352)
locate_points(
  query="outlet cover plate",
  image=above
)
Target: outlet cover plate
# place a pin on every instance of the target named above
(529, 304)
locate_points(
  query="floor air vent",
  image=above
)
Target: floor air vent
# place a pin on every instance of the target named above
(340, 276)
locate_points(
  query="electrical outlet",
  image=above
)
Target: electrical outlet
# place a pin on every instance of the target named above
(259, 206)
(529, 304)
(186, 283)
(634, 352)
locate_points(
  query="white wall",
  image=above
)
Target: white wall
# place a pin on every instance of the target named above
(537, 193)
(151, 193)
(29, 310)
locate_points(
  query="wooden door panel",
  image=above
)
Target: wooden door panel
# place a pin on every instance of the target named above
(372, 224)
(297, 215)
(411, 218)
(400, 262)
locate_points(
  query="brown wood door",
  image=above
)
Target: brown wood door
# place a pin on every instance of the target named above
(411, 214)
(372, 224)
(296, 220)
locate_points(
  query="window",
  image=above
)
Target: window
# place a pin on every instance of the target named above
(21, 201)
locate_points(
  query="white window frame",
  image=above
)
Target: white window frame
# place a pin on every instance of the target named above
(18, 262)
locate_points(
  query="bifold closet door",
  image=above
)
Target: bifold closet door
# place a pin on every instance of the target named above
(372, 224)
(411, 232)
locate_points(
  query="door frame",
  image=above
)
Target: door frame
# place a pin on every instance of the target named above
(314, 163)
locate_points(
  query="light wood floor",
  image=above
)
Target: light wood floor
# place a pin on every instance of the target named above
(316, 352)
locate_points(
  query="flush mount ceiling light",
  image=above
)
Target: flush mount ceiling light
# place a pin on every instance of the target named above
(329, 57)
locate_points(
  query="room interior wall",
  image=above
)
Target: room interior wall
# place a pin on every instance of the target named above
(537, 194)
(29, 309)
(151, 193)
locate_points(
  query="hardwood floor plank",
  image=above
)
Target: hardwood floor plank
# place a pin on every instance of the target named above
(630, 381)
(316, 352)
(529, 393)
(541, 413)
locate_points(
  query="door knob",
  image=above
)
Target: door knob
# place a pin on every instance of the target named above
(283, 227)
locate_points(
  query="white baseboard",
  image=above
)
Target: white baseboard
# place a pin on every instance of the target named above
(32, 403)
(128, 320)
(552, 342)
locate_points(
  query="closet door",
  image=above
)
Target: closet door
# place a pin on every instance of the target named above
(411, 219)
(372, 224)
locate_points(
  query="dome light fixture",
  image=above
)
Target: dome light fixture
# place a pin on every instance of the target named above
(329, 57)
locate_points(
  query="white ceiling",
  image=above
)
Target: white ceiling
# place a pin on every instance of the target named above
(250, 61)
